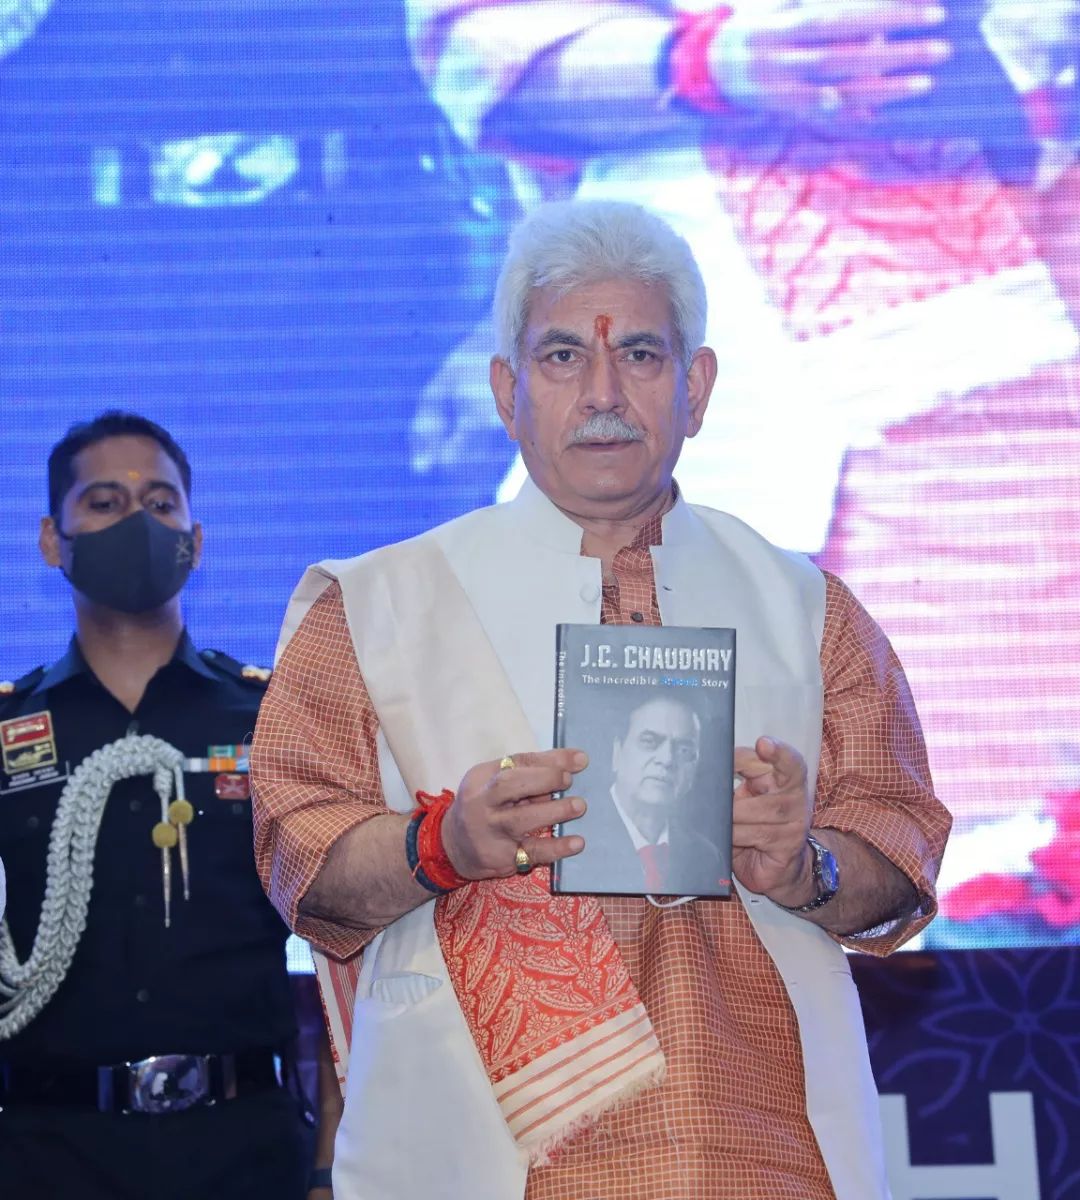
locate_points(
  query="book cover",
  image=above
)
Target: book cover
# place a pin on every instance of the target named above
(654, 709)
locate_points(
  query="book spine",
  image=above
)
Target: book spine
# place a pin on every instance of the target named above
(559, 732)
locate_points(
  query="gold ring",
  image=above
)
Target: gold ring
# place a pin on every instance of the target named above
(506, 764)
(523, 864)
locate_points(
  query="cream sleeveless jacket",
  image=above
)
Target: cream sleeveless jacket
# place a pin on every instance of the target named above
(454, 633)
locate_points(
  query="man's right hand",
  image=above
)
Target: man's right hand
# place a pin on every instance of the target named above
(828, 61)
(498, 810)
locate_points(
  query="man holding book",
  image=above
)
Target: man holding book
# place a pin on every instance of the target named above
(583, 1046)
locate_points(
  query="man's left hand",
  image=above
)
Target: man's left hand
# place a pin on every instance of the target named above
(770, 821)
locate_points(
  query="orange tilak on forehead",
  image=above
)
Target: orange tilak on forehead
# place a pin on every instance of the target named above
(602, 328)
(134, 476)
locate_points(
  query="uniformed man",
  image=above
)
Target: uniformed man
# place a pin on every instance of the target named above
(145, 1007)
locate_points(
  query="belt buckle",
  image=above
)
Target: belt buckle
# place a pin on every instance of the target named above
(168, 1083)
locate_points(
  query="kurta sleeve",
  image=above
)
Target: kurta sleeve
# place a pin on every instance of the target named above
(314, 767)
(874, 778)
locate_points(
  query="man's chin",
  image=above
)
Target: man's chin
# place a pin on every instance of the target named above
(604, 489)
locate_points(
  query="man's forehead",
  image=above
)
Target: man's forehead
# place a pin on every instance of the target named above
(602, 309)
(127, 459)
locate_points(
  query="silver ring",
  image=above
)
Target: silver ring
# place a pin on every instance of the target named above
(523, 864)
(830, 99)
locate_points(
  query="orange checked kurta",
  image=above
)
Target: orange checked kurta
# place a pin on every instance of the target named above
(729, 1120)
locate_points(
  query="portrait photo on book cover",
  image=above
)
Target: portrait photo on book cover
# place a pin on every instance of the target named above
(658, 788)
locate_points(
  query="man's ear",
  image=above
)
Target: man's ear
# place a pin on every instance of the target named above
(700, 377)
(503, 382)
(196, 545)
(49, 542)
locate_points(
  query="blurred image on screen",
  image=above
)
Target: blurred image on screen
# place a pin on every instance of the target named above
(274, 227)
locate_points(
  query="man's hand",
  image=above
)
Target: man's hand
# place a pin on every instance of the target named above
(366, 883)
(770, 821)
(827, 61)
(496, 811)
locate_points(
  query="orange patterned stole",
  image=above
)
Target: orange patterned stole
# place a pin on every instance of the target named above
(557, 1021)
(550, 1004)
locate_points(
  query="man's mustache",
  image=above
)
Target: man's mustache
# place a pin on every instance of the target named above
(607, 427)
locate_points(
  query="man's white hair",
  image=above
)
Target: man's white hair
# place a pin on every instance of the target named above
(564, 244)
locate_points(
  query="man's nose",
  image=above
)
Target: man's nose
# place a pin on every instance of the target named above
(603, 388)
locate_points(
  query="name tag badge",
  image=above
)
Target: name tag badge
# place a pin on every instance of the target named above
(28, 748)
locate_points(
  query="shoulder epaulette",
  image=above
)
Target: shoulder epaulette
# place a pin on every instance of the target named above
(259, 676)
(9, 688)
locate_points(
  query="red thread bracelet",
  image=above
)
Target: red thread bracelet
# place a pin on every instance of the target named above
(432, 857)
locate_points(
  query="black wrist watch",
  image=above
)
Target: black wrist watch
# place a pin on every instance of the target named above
(826, 876)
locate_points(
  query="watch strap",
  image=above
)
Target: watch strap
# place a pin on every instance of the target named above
(824, 863)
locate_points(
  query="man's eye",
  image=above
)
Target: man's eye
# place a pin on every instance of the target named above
(103, 505)
(641, 356)
(162, 506)
(562, 357)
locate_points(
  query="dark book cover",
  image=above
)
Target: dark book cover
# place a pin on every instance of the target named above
(654, 709)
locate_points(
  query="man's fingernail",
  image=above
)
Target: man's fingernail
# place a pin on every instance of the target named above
(934, 14)
(581, 759)
(576, 844)
(919, 85)
(577, 805)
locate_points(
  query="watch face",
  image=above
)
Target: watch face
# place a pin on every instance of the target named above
(830, 876)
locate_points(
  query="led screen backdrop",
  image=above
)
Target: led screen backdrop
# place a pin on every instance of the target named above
(274, 225)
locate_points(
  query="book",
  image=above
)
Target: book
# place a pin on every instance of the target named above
(654, 709)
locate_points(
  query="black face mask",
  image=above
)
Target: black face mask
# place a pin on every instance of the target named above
(134, 566)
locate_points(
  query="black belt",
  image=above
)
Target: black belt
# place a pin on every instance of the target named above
(164, 1083)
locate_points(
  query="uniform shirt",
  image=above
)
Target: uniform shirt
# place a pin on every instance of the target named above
(729, 1120)
(216, 980)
